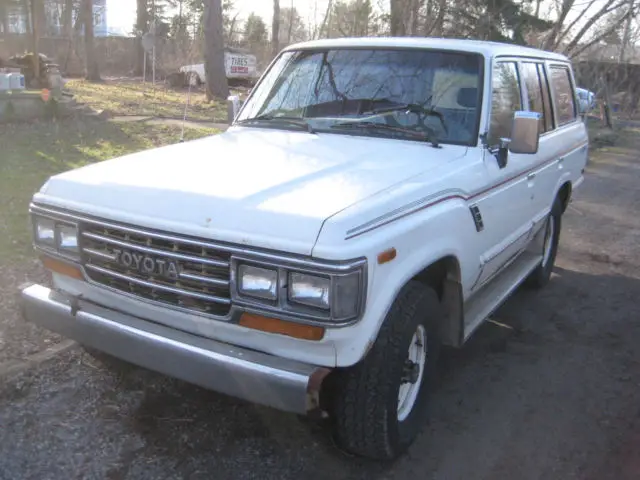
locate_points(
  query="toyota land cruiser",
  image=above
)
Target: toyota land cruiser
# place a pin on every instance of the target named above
(372, 200)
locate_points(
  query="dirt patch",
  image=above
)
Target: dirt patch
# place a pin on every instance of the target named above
(19, 339)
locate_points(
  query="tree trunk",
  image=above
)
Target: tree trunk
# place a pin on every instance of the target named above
(397, 20)
(437, 27)
(217, 84)
(26, 10)
(415, 16)
(627, 33)
(67, 19)
(4, 19)
(325, 21)
(551, 40)
(142, 26)
(93, 70)
(291, 12)
(275, 28)
(35, 38)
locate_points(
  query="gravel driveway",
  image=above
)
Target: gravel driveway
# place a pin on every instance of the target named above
(551, 390)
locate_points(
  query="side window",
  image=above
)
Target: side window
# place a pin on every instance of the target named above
(563, 94)
(506, 99)
(546, 98)
(532, 80)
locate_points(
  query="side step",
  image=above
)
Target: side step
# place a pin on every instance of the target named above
(493, 294)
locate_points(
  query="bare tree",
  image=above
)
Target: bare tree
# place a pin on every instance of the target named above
(275, 28)
(4, 18)
(142, 25)
(93, 70)
(67, 19)
(627, 33)
(608, 7)
(217, 83)
(398, 28)
(323, 26)
(36, 25)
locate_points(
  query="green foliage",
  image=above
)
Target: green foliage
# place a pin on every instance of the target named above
(292, 26)
(498, 20)
(351, 18)
(255, 31)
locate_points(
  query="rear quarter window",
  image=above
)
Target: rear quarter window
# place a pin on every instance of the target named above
(563, 94)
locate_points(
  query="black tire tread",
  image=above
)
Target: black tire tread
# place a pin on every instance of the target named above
(362, 398)
(539, 277)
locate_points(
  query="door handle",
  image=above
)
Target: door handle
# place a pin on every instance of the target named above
(531, 176)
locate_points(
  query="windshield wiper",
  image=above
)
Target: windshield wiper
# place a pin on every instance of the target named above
(411, 108)
(267, 117)
(367, 125)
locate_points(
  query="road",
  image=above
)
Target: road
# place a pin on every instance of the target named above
(551, 390)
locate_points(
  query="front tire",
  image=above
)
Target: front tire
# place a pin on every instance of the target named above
(551, 239)
(379, 405)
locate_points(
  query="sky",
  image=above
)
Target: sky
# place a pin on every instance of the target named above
(121, 14)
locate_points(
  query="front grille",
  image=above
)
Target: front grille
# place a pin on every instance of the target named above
(162, 268)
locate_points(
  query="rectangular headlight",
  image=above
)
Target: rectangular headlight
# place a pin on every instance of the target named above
(258, 282)
(45, 232)
(67, 239)
(56, 236)
(310, 290)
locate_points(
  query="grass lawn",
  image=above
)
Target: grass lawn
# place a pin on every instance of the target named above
(32, 152)
(131, 97)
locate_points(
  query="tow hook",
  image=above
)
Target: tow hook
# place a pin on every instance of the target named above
(74, 303)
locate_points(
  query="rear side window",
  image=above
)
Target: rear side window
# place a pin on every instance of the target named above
(505, 101)
(536, 93)
(563, 94)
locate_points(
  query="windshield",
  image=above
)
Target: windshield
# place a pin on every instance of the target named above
(424, 91)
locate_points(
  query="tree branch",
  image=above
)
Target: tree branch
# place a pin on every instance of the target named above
(608, 31)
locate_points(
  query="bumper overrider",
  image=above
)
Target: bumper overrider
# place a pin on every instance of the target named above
(253, 376)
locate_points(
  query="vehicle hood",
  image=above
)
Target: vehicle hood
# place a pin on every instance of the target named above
(263, 188)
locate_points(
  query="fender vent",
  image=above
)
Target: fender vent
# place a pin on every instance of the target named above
(477, 217)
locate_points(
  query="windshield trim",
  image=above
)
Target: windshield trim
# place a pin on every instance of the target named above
(481, 79)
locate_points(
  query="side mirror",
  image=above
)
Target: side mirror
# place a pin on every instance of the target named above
(525, 137)
(525, 133)
(233, 107)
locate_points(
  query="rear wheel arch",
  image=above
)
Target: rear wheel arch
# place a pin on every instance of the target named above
(564, 195)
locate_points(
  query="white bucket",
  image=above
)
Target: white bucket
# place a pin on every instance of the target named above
(5, 82)
(17, 81)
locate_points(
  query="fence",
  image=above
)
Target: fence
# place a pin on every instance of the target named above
(117, 56)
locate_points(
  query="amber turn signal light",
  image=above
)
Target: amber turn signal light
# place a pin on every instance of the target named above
(63, 268)
(386, 256)
(273, 325)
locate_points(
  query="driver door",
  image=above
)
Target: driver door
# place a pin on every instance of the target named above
(506, 204)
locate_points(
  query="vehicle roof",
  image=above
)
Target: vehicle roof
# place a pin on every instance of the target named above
(488, 49)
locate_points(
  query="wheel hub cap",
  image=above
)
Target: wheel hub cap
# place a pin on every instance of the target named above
(412, 373)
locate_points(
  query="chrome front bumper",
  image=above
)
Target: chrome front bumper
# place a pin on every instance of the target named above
(254, 376)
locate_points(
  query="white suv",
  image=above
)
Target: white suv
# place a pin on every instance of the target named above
(374, 199)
